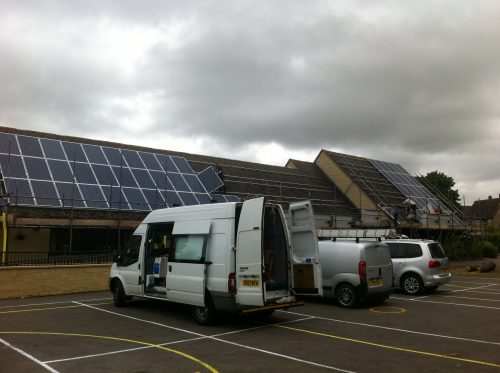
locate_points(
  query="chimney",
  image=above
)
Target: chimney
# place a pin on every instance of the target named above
(490, 197)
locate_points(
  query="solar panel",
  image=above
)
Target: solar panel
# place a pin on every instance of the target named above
(178, 182)
(104, 175)
(12, 166)
(37, 168)
(30, 146)
(20, 192)
(132, 159)
(45, 193)
(8, 144)
(94, 154)
(210, 179)
(69, 195)
(182, 165)
(74, 152)
(194, 183)
(47, 172)
(409, 186)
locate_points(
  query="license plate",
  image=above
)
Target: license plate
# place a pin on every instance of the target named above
(252, 283)
(375, 282)
(446, 270)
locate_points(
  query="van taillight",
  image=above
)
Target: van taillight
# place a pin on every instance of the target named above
(231, 283)
(362, 271)
(434, 264)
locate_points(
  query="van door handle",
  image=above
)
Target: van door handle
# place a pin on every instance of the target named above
(243, 268)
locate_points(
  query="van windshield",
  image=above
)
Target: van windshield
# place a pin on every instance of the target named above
(436, 250)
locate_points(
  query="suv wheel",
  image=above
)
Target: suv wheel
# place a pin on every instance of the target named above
(412, 284)
(346, 295)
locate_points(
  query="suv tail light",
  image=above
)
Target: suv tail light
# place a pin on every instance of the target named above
(434, 264)
(231, 283)
(362, 271)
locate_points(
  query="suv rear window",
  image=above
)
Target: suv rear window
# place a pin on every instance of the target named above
(436, 250)
(413, 250)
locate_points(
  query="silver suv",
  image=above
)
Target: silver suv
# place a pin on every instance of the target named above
(418, 265)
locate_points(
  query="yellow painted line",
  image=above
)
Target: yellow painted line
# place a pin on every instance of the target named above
(192, 358)
(472, 298)
(389, 347)
(51, 308)
(388, 310)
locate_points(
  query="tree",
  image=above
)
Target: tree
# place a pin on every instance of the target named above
(443, 183)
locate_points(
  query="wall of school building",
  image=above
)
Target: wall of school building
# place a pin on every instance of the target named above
(21, 282)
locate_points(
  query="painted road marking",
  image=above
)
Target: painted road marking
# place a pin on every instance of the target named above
(172, 342)
(31, 357)
(394, 329)
(448, 303)
(472, 298)
(479, 362)
(455, 291)
(51, 303)
(218, 339)
(387, 310)
(49, 308)
(192, 358)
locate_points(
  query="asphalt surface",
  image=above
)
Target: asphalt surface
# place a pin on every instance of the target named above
(456, 328)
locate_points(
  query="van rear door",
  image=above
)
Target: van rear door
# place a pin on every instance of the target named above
(378, 266)
(307, 277)
(249, 285)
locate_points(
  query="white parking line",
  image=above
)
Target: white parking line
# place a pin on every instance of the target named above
(25, 354)
(455, 291)
(173, 342)
(448, 303)
(394, 329)
(51, 303)
(217, 339)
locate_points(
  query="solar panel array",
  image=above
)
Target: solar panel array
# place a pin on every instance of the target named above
(45, 172)
(409, 186)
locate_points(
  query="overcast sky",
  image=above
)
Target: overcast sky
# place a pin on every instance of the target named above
(410, 82)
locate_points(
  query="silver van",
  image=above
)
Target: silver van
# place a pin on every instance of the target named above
(418, 264)
(354, 271)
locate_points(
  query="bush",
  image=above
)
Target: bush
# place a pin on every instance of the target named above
(489, 250)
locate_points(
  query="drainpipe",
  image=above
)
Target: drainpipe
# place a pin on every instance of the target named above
(5, 231)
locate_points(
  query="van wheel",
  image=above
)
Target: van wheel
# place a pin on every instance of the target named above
(205, 315)
(412, 284)
(346, 295)
(119, 296)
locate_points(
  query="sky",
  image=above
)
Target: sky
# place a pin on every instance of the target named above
(409, 82)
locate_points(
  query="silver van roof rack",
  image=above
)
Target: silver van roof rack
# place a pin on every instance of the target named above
(355, 234)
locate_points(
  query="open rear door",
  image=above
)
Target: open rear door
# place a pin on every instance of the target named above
(250, 289)
(307, 278)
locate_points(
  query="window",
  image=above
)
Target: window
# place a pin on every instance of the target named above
(159, 239)
(436, 250)
(397, 250)
(131, 254)
(413, 251)
(189, 248)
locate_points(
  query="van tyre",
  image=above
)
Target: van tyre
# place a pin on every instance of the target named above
(119, 296)
(205, 315)
(412, 284)
(346, 295)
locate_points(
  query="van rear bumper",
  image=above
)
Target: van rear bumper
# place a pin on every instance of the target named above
(273, 307)
(368, 293)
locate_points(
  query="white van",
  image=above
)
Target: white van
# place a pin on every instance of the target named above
(355, 271)
(225, 256)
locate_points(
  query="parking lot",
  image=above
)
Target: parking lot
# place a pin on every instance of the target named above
(456, 328)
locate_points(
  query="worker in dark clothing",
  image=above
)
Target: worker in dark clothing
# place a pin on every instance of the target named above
(220, 173)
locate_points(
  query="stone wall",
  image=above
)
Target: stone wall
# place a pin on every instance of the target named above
(17, 282)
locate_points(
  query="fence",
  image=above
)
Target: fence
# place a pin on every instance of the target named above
(51, 259)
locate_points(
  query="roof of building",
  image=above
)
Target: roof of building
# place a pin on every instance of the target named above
(486, 208)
